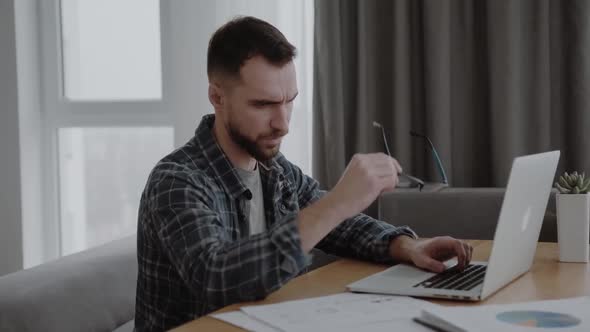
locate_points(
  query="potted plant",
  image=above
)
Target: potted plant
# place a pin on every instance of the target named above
(573, 216)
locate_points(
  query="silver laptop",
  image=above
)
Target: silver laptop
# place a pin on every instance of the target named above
(513, 250)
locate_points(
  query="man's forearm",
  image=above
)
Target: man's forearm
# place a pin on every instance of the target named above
(319, 219)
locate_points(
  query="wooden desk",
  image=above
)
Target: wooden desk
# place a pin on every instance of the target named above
(547, 279)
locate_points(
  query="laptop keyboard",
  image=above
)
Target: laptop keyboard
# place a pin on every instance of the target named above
(454, 279)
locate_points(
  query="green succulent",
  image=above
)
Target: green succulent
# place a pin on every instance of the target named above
(573, 183)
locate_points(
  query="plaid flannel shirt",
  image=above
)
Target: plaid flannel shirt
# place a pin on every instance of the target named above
(194, 250)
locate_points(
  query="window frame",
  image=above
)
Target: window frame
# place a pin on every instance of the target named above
(57, 112)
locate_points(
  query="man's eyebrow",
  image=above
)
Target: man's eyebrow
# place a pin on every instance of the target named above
(270, 102)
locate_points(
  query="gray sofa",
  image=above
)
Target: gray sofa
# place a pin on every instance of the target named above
(465, 213)
(90, 291)
(95, 289)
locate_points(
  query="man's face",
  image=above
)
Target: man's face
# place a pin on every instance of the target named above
(257, 108)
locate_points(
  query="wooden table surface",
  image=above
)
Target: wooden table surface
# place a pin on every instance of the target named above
(547, 279)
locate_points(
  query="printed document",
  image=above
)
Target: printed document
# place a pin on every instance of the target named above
(571, 315)
(343, 312)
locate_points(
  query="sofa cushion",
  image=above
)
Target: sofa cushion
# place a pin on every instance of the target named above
(127, 327)
(90, 291)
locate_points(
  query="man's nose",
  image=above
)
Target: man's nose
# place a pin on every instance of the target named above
(280, 120)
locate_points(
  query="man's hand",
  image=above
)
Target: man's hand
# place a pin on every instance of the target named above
(429, 254)
(365, 178)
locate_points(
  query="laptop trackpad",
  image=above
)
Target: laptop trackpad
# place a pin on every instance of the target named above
(411, 274)
(407, 273)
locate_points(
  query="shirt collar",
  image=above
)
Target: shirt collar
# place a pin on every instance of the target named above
(221, 166)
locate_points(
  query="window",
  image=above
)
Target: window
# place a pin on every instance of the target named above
(111, 49)
(106, 117)
(102, 172)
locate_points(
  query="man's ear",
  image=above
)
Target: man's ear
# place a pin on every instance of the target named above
(216, 96)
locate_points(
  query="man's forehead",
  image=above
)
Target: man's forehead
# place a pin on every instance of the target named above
(272, 92)
(266, 80)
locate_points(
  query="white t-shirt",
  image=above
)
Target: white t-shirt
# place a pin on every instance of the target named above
(256, 216)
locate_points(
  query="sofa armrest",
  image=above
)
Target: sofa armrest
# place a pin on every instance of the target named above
(89, 291)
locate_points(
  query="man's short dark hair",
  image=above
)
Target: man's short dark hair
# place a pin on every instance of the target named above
(243, 38)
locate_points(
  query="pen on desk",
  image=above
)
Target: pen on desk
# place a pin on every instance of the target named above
(428, 325)
(402, 174)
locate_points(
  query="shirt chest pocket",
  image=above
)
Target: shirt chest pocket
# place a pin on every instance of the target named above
(287, 201)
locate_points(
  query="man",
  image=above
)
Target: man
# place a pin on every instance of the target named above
(226, 218)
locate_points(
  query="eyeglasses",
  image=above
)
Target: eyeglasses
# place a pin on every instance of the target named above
(439, 165)
(413, 180)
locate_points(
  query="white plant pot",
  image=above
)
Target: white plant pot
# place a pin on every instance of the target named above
(573, 217)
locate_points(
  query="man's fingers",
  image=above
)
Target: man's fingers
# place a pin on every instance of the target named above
(461, 254)
(397, 165)
(431, 264)
(387, 164)
(387, 176)
(468, 250)
(441, 249)
(388, 183)
(384, 170)
(381, 158)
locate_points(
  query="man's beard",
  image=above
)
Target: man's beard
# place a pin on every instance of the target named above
(255, 149)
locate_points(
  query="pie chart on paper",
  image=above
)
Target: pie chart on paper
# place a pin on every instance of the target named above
(539, 319)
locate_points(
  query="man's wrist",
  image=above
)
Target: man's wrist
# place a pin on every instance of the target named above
(337, 206)
(401, 247)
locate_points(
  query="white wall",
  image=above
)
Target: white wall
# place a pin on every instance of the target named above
(20, 137)
(191, 24)
(11, 253)
(28, 69)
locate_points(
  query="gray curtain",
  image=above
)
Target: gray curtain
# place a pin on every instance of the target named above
(485, 80)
